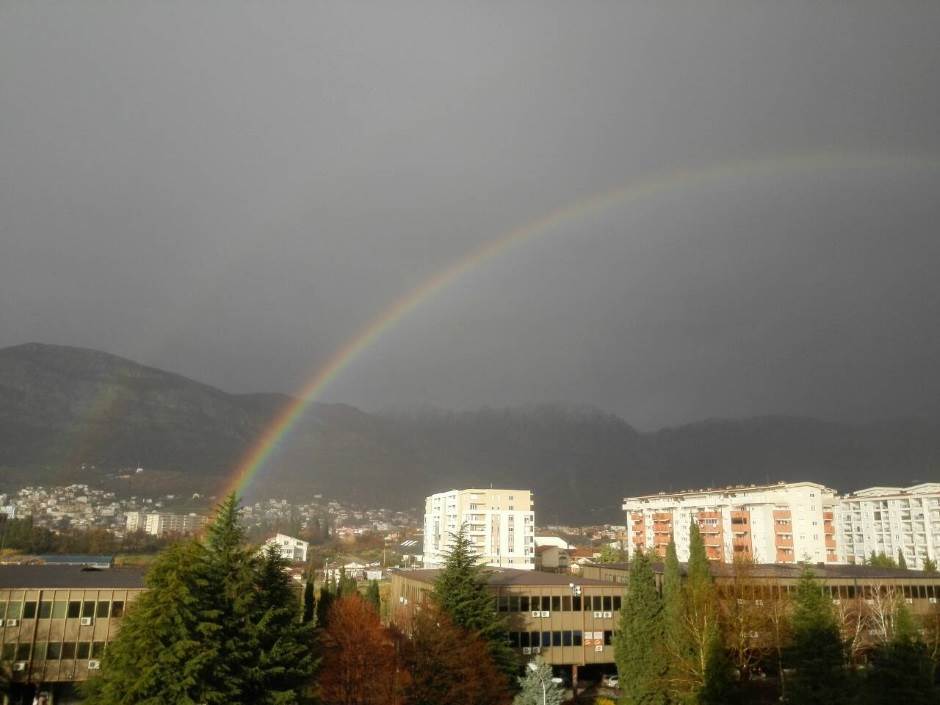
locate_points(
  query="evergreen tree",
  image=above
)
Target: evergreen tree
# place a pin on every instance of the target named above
(902, 670)
(641, 662)
(309, 603)
(166, 651)
(460, 590)
(536, 686)
(901, 562)
(929, 566)
(373, 596)
(217, 625)
(323, 605)
(816, 655)
(282, 664)
(677, 643)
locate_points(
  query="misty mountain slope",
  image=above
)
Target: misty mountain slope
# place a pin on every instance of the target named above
(62, 406)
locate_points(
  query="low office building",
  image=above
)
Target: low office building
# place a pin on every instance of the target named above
(57, 621)
(499, 523)
(567, 620)
(778, 523)
(891, 520)
(844, 583)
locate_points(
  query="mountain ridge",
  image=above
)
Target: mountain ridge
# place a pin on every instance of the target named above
(62, 407)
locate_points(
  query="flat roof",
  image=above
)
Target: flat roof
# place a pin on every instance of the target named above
(729, 489)
(70, 576)
(781, 570)
(498, 577)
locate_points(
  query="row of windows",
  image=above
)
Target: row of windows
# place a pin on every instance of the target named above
(569, 637)
(47, 609)
(558, 603)
(52, 651)
(835, 591)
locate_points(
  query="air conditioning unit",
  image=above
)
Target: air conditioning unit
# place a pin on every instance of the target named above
(526, 650)
(12, 622)
(608, 615)
(909, 600)
(19, 666)
(932, 600)
(598, 615)
(759, 603)
(536, 649)
(94, 665)
(836, 601)
(86, 621)
(536, 613)
(546, 613)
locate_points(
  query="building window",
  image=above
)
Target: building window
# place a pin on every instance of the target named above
(608, 637)
(103, 607)
(75, 609)
(97, 649)
(546, 638)
(117, 608)
(576, 603)
(523, 603)
(88, 608)
(68, 650)
(577, 637)
(535, 638)
(617, 603)
(566, 638)
(556, 638)
(84, 650)
(22, 652)
(556, 603)
(29, 610)
(58, 609)
(566, 603)
(53, 651)
(514, 640)
(608, 603)
(8, 652)
(524, 640)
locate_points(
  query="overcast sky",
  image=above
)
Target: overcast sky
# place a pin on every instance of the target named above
(232, 190)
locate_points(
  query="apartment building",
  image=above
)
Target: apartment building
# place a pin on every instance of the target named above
(891, 520)
(57, 621)
(162, 523)
(778, 523)
(567, 620)
(500, 524)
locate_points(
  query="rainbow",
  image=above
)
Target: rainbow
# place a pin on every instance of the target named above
(253, 462)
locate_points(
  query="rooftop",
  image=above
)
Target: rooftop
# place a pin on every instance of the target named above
(730, 489)
(509, 576)
(779, 570)
(69, 576)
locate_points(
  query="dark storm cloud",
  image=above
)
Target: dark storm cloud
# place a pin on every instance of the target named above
(231, 190)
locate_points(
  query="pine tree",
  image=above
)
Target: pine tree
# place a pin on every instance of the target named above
(309, 603)
(166, 650)
(460, 590)
(816, 655)
(677, 643)
(217, 626)
(902, 670)
(536, 686)
(373, 597)
(641, 662)
(281, 643)
(902, 563)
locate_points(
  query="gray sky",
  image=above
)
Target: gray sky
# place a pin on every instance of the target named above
(231, 190)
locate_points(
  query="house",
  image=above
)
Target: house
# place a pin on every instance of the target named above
(552, 559)
(290, 548)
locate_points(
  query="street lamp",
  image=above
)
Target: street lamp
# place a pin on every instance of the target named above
(534, 667)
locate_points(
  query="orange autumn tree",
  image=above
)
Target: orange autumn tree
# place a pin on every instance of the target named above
(447, 664)
(360, 663)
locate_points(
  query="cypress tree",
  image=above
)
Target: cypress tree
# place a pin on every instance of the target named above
(817, 655)
(678, 646)
(309, 603)
(460, 591)
(323, 605)
(373, 596)
(638, 651)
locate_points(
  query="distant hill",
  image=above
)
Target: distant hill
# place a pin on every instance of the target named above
(61, 407)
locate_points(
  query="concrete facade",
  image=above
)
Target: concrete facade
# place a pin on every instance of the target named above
(499, 523)
(780, 523)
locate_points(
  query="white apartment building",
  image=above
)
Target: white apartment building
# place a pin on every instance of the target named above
(158, 524)
(499, 523)
(888, 520)
(290, 548)
(778, 523)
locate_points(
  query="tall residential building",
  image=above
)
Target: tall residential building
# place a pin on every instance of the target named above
(159, 524)
(890, 520)
(779, 523)
(294, 550)
(499, 523)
